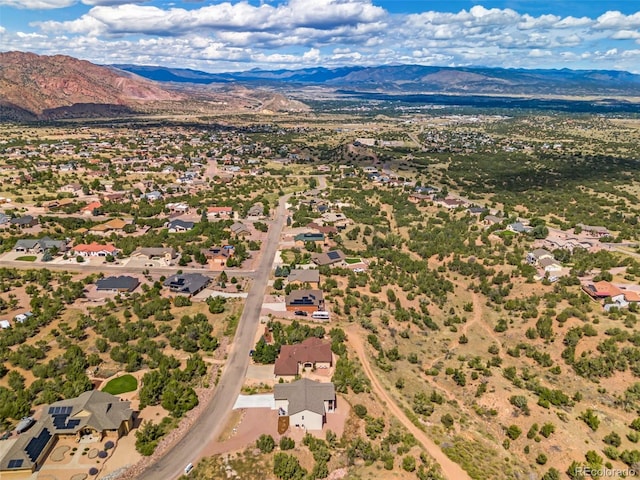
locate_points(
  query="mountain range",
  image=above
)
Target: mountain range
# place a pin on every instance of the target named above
(36, 87)
(419, 79)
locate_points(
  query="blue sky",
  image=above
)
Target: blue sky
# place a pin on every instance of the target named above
(240, 35)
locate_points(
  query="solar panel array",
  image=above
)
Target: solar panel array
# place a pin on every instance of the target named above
(61, 422)
(333, 255)
(16, 463)
(37, 444)
(60, 410)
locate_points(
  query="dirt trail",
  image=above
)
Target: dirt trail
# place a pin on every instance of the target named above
(450, 469)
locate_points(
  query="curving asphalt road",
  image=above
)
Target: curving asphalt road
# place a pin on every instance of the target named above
(213, 418)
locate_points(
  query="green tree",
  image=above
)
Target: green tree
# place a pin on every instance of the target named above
(265, 443)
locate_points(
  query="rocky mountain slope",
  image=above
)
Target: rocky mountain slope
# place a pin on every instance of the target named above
(40, 87)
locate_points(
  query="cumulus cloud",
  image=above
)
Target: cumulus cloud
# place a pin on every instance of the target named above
(327, 32)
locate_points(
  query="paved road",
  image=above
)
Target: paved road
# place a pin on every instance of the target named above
(113, 269)
(209, 426)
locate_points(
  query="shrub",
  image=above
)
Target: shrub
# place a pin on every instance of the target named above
(513, 432)
(287, 443)
(266, 443)
(409, 463)
(541, 459)
(102, 454)
(93, 471)
(360, 410)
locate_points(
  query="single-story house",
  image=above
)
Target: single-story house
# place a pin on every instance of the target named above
(94, 413)
(419, 197)
(315, 237)
(25, 221)
(239, 229)
(218, 256)
(328, 258)
(152, 196)
(94, 250)
(305, 300)
(5, 324)
(187, 283)
(123, 283)
(518, 227)
(256, 210)
(39, 245)
(311, 353)
(596, 231)
(92, 208)
(115, 225)
(538, 254)
(156, 253)
(178, 225)
(73, 188)
(220, 212)
(492, 220)
(305, 402)
(304, 276)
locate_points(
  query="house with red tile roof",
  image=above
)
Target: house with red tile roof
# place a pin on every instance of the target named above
(94, 250)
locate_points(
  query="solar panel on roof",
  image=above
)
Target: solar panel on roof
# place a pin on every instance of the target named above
(16, 463)
(37, 444)
(333, 255)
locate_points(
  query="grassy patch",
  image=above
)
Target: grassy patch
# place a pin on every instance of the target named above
(123, 384)
(353, 260)
(27, 258)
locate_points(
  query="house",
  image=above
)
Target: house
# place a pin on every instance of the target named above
(4, 324)
(94, 250)
(518, 227)
(619, 296)
(220, 212)
(39, 245)
(187, 283)
(178, 225)
(72, 188)
(594, 230)
(239, 229)
(92, 208)
(419, 197)
(177, 208)
(304, 276)
(25, 221)
(115, 225)
(95, 414)
(218, 256)
(492, 220)
(303, 238)
(152, 196)
(305, 300)
(4, 219)
(156, 253)
(328, 258)
(328, 230)
(312, 353)
(122, 283)
(449, 202)
(305, 402)
(58, 204)
(475, 210)
(256, 210)
(535, 256)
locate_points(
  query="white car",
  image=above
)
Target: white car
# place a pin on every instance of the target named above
(358, 270)
(188, 469)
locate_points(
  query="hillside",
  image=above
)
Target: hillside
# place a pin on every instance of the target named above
(36, 86)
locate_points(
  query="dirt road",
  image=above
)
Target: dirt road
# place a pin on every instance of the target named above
(450, 469)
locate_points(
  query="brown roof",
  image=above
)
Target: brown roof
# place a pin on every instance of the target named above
(311, 350)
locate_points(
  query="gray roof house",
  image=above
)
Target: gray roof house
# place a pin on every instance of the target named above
(178, 225)
(39, 245)
(187, 283)
(305, 402)
(328, 258)
(304, 276)
(122, 283)
(94, 413)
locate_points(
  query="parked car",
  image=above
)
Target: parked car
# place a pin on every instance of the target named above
(188, 469)
(300, 313)
(5, 435)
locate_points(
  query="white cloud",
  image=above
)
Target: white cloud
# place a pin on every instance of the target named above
(37, 4)
(616, 21)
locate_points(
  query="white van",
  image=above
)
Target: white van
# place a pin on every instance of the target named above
(188, 469)
(320, 315)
